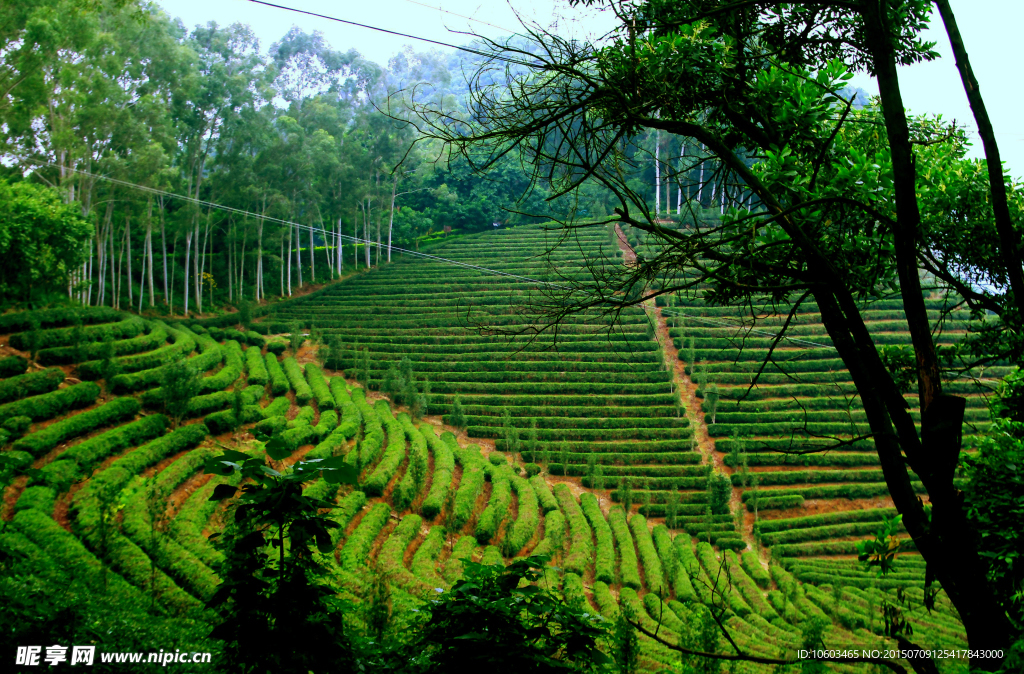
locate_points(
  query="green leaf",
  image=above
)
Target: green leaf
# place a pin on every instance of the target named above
(277, 449)
(223, 491)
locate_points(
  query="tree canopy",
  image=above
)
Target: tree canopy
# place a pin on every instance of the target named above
(820, 203)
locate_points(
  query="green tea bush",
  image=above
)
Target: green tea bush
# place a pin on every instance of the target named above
(356, 550)
(394, 454)
(604, 563)
(752, 565)
(76, 460)
(318, 386)
(38, 497)
(53, 318)
(42, 441)
(49, 405)
(629, 569)
(129, 327)
(12, 366)
(416, 468)
(547, 500)
(277, 347)
(224, 421)
(581, 546)
(527, 519)
(444, 467)
(775, 502)
(497, 506)
(653, 572)
(554, 535)
(33, 383)
(257, 366)
(303, 394)
(672, 565)
(873, 515)
(278, 380)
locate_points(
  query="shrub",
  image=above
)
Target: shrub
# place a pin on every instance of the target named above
(225, 420)
(42, 441)
(73, 463)
(13, 365)
(33, 383)
(17, 426)
(256, 366)
(719, 493)
(319, 388)
(52, 318)
(605, 561)
(277, 407)
(547, 500)
(672, 565)
(49, 405)
(554, 535)
(752, 565)
(277, 347)
(356, 551)
(629, 569)
(278, 380)
(653, 572)
(531, 469)
(581, 547)
(497, 507)
(521, 531)
(444, 466)
(303, 394)
(129, 327)
(394, 454)
(470, 486)
(297, 437)
(227, 375)
(38, 497)
(416, 467)
(498, 459)
(254, 339)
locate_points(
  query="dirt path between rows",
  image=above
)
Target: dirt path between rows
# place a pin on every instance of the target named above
(687, 392)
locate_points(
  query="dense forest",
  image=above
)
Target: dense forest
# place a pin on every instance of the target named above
(203, 167)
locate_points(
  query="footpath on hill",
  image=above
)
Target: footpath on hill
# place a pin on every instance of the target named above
(687, 392)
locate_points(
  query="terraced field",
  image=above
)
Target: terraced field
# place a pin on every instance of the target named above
(600, 404)
(802, 504)
(604, 409)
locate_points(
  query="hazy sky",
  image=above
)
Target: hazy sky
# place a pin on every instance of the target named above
(990, 29)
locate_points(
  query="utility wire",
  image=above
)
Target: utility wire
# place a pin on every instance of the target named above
(404, 251)
(461, 16)
(470, 50)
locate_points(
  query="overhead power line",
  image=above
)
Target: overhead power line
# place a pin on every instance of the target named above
(461, 16)
(392, 32)
(403, 251)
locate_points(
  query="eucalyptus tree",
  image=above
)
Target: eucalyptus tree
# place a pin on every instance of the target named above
(851, 203)
(225, 63)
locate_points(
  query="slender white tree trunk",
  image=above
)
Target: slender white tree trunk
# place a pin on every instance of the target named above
(700, 181)
(657, 174)
(298, 254)
(188, 249)
(290, 229)
(149, 252)
(339, 249)
(128, 244)
(231, 266)
(312, 260)
(241, 264)
(391, 219)
(163, 257)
